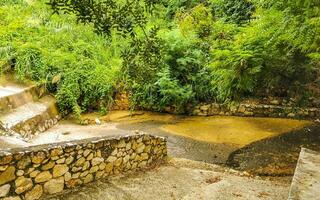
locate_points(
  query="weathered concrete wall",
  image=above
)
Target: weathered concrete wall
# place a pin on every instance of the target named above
(34, 172)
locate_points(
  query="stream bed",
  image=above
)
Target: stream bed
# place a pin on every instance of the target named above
(267, 148)
(262, 146)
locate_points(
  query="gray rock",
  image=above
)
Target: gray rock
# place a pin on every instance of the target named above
(61, 161)
(59, 170)
(89, 178)
(20, 173)
(80, 161)
(8, 175)
(69, 160)
(48, 166)
(35, 193)
(12, 198)
(4, 190)
(43, 177)
(96, 161)
(23, 184)
(86, 166)
(67, 176)
(54, 186)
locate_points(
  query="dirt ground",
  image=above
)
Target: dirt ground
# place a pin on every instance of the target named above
(182, 179)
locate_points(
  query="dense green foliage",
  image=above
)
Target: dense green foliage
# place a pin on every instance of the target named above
(236, 11)
(44, 47)
(165, 53)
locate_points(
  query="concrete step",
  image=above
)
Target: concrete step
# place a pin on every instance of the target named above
(32, 118)
(12, 96)
(306, 180)
(10, 142)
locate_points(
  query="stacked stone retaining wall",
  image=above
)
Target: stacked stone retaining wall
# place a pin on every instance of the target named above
(256, 110)
(274, 107)
(35, 172)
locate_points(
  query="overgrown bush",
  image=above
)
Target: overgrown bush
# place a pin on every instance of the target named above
(268, 57)
(234, 11)
(179, 78)
(45, 46)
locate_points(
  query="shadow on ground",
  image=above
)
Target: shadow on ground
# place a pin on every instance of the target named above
(276, 156)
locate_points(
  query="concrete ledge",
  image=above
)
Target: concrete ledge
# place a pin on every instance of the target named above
(18, 98)
(306, 180)
(33, 172)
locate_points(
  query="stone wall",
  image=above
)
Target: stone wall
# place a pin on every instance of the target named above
(256, 110)
(121, 101)
(266, 107)
(33, 172)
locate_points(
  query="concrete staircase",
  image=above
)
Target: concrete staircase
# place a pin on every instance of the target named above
(23, 112)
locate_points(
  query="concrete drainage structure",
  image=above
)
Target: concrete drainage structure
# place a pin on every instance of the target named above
(33, 172)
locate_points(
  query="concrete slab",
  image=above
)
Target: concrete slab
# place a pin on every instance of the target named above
(306, 180)
(184, 180)
(10, 90)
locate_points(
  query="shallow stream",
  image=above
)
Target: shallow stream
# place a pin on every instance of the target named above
(260, 145)
(265, 146)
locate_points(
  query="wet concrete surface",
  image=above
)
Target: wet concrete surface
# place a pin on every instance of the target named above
(276, 156)
(184, 180)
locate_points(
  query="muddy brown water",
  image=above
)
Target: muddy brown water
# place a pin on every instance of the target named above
(263, 146)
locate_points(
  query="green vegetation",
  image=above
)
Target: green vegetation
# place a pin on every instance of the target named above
(54, 49)
(165, 53)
